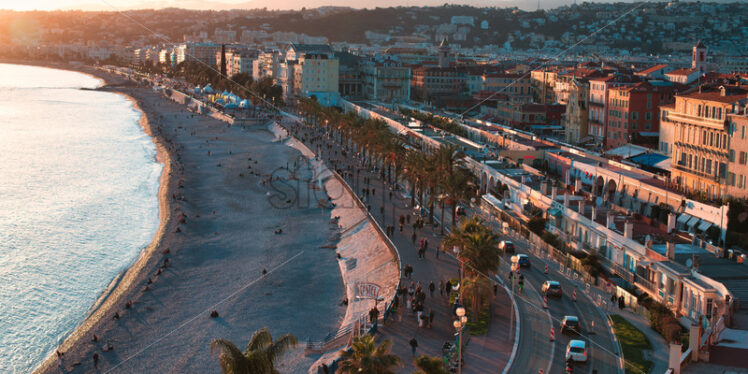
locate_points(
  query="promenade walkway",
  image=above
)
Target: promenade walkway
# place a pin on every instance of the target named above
(489, 353)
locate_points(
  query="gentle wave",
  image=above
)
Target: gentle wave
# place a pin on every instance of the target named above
(78, 202)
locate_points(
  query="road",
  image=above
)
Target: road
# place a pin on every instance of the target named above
(536, 351)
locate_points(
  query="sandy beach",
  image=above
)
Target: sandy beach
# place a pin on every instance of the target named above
(218, 232)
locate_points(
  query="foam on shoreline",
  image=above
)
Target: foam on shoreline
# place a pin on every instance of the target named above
(124, 282)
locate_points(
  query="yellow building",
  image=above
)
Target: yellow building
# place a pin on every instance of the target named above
(700, 138)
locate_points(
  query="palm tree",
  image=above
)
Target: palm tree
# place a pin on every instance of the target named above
(479, 253)
(429, 365)
(260, 356)
(458, 187)
(366, 357)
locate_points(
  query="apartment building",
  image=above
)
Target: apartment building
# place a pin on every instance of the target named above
(701, 146)
(316, 75)
(598, 103)
(737, 166)
(386, 80)
(634, 110)
(576, 118)
(204, 52)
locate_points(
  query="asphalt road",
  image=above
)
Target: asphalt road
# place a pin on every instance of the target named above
(536, 351)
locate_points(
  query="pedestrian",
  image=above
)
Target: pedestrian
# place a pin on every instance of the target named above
(413, 237)
(419, 317)
(407, 219)
(447, 287)
(413, 345)
(96, 359)
(441, 288)
(431, 288)
(495, 288)
(437, 252)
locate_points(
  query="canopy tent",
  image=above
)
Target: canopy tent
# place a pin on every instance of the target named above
(197, 90)
(208, 89)
(244, 104)
(231, 106)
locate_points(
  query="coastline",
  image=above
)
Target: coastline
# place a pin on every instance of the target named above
(124, 283)
(163, 119)
(128, 284)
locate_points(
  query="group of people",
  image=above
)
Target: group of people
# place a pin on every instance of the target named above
(415, 297)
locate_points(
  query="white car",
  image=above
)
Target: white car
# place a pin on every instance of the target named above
(576, 350)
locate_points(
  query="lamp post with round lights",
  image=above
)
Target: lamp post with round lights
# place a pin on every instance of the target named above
(459, 325)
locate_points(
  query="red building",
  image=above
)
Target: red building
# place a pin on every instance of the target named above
(635, 109)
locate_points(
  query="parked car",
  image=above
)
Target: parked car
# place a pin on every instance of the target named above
(576, 350)
(552, 288)
(570, 324)
(460, 210)
(521, 260)
(506, 246)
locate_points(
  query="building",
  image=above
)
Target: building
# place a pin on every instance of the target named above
(698, 58)
(543, 81)
(444, 51)
(387, 80)
(700, 138)
(317, 76)
(576, 118)
(634, 110)
(430, 82)
(655, 72)
(267, 64)
(683, 76)
(351, 78)
(737, 166)
(514, 85)
(598, 103)
(203, 52)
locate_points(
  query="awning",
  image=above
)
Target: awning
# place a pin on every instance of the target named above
(554, 212)
(683, 218)
(704, 225)
(692, 222)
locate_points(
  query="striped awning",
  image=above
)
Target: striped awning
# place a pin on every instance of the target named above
(692, 222)
(704, 225)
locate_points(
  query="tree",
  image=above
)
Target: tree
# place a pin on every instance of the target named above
(366, 357)
(260, 356)
(458, 187)
(536, 225)
(479, 253)
(429, 365)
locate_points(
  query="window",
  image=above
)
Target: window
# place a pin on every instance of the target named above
(742, 132)
(732, 155)
(708, 168)
(704, 138)
(731, 179)
(648, 116)
(743, 158)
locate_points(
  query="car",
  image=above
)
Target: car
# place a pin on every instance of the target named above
(506, 246)
(460, 210)
(570, 324)
(552, 288)
(521, 260)
(576, 350)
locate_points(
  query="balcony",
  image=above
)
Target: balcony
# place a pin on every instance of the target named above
(697, 121)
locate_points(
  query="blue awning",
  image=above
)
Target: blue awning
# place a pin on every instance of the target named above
(554, 212)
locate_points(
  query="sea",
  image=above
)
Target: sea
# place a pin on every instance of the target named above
(78, 202)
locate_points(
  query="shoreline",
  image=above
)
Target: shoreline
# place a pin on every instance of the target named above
(124, 283)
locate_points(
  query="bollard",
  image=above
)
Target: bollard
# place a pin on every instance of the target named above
(574, 296)
(546, 268)
(592, 327)
(553, 334)
(545, 302)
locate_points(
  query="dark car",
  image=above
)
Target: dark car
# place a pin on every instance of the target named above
(506, 246)
(570, 324)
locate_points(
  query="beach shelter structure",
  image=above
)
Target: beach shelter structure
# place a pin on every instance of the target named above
(208, 89)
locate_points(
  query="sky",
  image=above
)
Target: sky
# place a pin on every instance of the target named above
(111, 5)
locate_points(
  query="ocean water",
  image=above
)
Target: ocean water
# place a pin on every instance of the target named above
(78, 202)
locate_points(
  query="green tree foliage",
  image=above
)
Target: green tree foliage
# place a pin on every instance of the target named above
(259, 357)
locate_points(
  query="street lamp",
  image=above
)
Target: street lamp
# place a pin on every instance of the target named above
(459, 325)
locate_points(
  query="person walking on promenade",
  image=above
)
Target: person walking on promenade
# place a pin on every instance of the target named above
(441, 287)
(413, 345)
(447, 287)
(413, 237)
(431, 317)
(431, 288)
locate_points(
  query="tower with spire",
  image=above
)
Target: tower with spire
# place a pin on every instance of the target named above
(444, 53)
(698, 60)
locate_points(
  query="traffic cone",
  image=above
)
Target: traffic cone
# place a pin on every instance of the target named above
(546, 268)
(553, 334)
(545, 302)
(574, 296)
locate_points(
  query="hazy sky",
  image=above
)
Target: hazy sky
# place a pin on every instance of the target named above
(270, 4)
